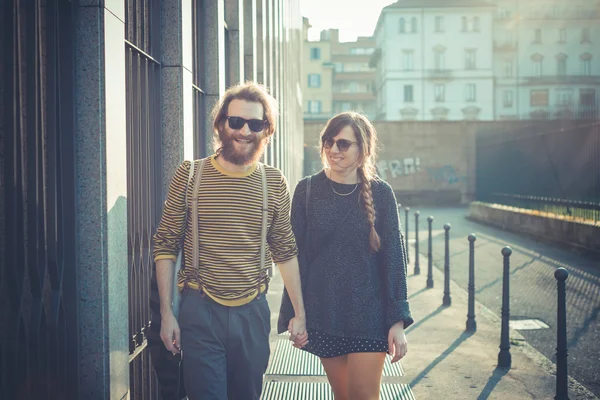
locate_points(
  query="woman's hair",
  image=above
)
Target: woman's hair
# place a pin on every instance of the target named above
(366, 136)
(248, 91)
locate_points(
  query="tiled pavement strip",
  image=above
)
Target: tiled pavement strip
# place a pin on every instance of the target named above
(294, 374)
(443, 362)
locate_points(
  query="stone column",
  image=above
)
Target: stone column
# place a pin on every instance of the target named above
(177, 92)
(234, 12)
(101, 213)
(250, 36)
(214, 59)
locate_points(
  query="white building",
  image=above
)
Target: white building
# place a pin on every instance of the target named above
(434, 60)
(547, 57)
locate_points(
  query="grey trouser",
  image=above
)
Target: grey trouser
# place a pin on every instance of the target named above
(225, 349)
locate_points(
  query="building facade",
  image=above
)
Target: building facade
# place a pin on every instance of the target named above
(317, 79)
(338, 75)
(434, 60)
(546, 58)
(502, 59)
(101, 101)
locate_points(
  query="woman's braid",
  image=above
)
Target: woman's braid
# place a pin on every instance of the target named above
(367, 199)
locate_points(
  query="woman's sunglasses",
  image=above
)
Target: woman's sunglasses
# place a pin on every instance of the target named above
(342, 144)
(255, 125)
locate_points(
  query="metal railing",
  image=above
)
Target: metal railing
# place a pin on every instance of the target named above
(576, 210)
(39, 329)
(551, 166)
(144, 179)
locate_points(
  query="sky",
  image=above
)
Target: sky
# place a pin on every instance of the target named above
(352, 17)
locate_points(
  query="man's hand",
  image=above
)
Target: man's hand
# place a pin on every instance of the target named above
(170, 333)
(398, 346)
(297, 330)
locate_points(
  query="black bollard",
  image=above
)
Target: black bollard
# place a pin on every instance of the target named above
(562, 383)
(471, 324)
(504, 357)
(447, 300)
(429, 257)
(417, 267)
(406, 210)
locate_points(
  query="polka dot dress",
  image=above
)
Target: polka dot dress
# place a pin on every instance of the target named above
(325, 346)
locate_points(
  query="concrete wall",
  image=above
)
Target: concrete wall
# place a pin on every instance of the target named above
(425, 162)
(575, 234)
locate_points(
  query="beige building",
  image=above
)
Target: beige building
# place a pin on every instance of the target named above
(337, 76)
(317, 79)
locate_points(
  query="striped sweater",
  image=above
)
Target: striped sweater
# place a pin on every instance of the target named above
(229, 229)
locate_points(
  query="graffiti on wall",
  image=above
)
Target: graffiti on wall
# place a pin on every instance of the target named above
(396, 168)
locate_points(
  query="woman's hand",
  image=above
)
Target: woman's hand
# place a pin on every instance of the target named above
(398, 346)
(298, 333)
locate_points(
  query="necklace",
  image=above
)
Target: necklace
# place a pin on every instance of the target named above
(338, 193)
(344, 194)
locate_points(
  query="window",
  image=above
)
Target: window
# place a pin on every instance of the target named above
(408, 60)
(537, 64)
(402, 26)
(339, 67)
(537, 68)
(315, 53)
(537, 36)
(586, 67)
(439, 24)
(470, 58)
(413, 24)
(586, 64)
(561, 64)
(408, 93)
(439, 92)
(564, 97)
(507, 98)
(539, 98)
(470, 92)
(439, 58)
(562, 35)
(314, 80)
(587, 97)
(585, 35)
(508, 68)
(470, 24)
(314, 106)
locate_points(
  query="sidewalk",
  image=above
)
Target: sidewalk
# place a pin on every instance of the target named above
(443, 361)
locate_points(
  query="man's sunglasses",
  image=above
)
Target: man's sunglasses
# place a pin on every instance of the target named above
(342, 144)
(255, 125)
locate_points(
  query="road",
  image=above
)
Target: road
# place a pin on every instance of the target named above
(533, 291)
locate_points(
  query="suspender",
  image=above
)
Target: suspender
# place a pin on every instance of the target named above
(263, 239)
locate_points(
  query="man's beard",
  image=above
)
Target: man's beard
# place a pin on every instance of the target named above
(230, 154)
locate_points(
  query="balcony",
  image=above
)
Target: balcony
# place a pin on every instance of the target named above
(357, 96)
(439, 74)
(501, 45)
(562, 79)
(355, 76)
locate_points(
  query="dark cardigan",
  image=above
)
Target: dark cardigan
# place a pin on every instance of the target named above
(348, 291)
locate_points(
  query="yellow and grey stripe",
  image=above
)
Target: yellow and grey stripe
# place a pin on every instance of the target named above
(229, 219)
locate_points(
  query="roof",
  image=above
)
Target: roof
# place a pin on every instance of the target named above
(438, 4)
(401, 4)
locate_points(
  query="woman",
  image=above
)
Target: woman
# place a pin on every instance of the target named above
(353, 263)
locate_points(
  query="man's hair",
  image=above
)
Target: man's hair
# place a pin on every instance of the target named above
(252, 92)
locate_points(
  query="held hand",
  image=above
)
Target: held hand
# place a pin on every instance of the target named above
(297, 330)
(398, 346)
(170, 333)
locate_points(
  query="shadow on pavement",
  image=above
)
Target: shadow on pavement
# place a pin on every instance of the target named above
(464, 336)
(496, 377)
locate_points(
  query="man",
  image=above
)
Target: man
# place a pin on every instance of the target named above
(224, 316)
